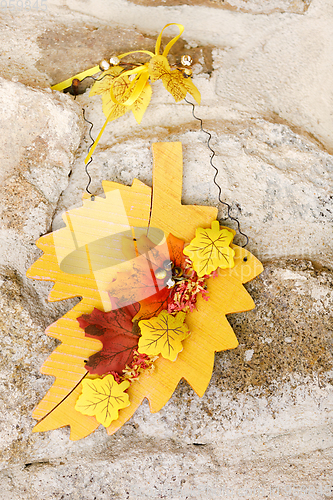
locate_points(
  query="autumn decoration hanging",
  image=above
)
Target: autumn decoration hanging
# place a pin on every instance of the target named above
(156, 278)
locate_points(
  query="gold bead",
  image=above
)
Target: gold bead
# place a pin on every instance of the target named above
(160, 274)
(187, 72)
(177, 272)
(114, 61)
(186, 60)
(168, 265)
(104, 65)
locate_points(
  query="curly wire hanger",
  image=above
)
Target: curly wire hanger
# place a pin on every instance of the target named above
(91, 144)
(74, 90)
(213, 154)
(142, 72)
(216, 174)
(74, 86)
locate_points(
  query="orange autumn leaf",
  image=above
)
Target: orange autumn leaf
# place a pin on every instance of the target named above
(140, 284)
(118, 334)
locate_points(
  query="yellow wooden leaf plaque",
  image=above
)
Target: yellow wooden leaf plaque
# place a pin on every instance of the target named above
(82, 260)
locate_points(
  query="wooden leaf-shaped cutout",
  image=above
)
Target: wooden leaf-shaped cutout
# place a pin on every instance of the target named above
(96, 220)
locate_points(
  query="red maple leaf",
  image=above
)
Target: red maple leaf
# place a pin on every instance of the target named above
(118, 334)
(140, 284)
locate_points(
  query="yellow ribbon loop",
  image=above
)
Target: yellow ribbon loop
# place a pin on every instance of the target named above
(151, 54)
(171, 43)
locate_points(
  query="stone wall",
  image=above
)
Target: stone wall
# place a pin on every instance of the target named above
(265, 71)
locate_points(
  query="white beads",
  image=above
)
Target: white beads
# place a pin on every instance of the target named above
(104, 65)
(170, 283)
(114, 61)
(186, 60)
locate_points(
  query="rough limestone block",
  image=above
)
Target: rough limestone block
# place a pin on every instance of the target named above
(249, 6)
(40, 133)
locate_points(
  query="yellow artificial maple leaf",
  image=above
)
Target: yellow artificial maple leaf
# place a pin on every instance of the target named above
(103, 398)
(173, 80)
(210, 249)
(163, 335)
(77, 259)
(121, 86)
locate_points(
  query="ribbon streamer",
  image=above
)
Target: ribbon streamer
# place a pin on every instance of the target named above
(80, 76)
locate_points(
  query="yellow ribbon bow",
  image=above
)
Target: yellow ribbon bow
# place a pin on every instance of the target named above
(124, 90)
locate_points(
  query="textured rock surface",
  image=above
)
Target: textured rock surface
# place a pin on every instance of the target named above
(250, 6)
(265, 420)
(264, 427)
(40, 133)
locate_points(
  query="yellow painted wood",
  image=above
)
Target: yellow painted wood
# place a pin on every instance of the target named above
(168, 213)
(67, 362)
(210, 331)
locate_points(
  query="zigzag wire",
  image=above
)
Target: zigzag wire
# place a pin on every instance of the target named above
(90, 129)
(90, 146)
(216, 174)
(213, 154)
(99, 79)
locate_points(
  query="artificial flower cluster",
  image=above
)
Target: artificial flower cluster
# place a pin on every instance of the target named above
(184, 295)
(140, 363)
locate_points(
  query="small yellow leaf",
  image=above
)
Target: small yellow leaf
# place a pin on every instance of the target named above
(163, 335)
(173, 81)
(103, 84)
(158, 67)
(102, 398)
(210, 249)
(141, 103)
(120, 88)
